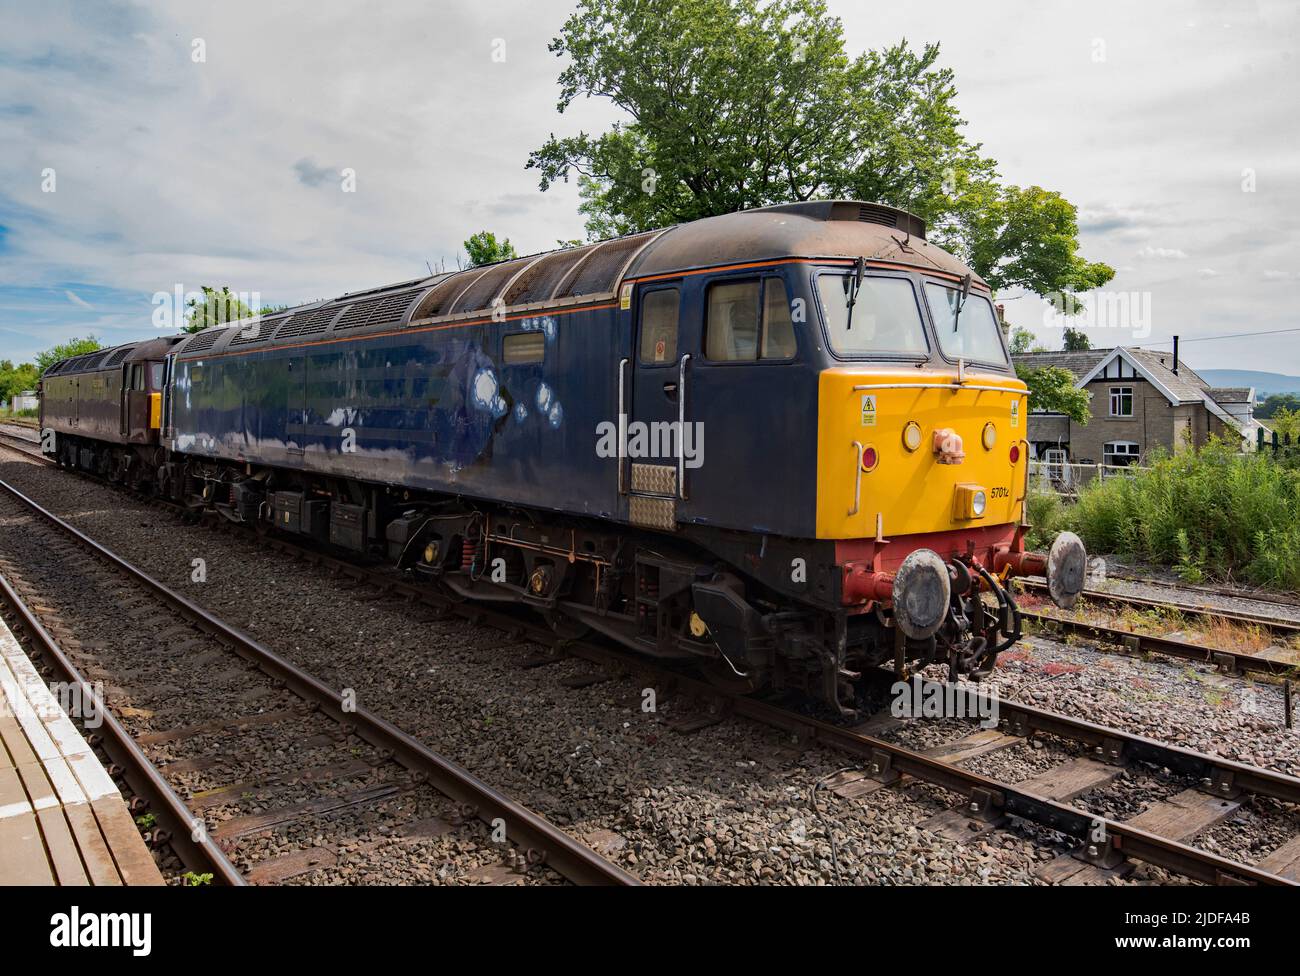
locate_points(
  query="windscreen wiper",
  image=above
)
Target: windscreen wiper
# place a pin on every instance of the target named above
(961, 300)
(859, 270)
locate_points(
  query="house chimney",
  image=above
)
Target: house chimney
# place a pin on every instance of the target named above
(1175, 355)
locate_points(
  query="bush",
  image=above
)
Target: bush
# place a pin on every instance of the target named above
(1045, 514)
(1207, 510)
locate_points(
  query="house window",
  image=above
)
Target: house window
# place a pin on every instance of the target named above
(1120, 453)
(1054, 459)
(1121, 401)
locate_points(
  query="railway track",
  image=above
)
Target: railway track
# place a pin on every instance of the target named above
(1233, 661)
(259, 747)
(1284, 629)
(27, 445)
(1220, 785)
(1261, 595)
(1215, 788)
(1134, 642)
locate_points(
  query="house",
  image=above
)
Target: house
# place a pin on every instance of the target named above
(1141, 400)
(26, 400)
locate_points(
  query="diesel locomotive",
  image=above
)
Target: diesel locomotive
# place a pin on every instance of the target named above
(785, 444)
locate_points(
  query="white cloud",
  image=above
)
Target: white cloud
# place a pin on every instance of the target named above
(1208, 273)
(77, 300)
(171, 171)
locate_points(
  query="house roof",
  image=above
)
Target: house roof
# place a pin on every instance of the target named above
(1078, 363)
(1185, 386)
(1231, 394)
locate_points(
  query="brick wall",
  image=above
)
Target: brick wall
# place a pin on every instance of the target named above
(1151, 426)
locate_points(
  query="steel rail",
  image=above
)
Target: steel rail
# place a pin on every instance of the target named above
(186, 833)
(1116, 745)
(571, 859)
(1136, 643)
(1200, 610)
(1127, 840)
(10, 436)
(1241, 593)
(885, 760)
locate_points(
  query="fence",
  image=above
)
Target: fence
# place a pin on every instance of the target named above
(1066, 478)
(1272, 441)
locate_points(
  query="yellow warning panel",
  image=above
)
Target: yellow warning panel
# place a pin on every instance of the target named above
(907, 486)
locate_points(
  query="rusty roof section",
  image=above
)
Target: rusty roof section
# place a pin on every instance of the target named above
(594, 272)
(818, 229)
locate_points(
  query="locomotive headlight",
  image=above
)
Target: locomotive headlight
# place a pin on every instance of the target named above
(989, 437)
(912, 435)
(969, 502)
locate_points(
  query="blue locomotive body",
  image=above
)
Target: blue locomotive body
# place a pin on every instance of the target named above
(453, 409)
(534, 432)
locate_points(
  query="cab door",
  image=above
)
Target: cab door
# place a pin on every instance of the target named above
(136, 397)
(749, 390)
(295, 431)
(124, 381)
(649, 466)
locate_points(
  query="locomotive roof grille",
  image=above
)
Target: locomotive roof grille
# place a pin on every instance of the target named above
(205, 340)
(257, 330)
(118, 356)
(590, 272)
(439, 300)
(538, 282)
(95, 360)
(308, 322)
(383, 310)
(486, 287)
(600, 272)
(351, 296)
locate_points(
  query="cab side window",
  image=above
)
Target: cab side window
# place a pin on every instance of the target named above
(137, 376)
(748, 321)
(659, 326)
(778, 328)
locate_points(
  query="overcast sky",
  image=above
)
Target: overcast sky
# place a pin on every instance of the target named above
(1151, 117)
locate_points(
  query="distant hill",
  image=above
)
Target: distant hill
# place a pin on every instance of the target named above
(1264, 383)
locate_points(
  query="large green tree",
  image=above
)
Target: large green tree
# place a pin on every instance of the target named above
(73, 347)
(1075, 340)
(1021, 341)
(1052, 388)
(216, 308)
(731, 104)
(484, 248)
(1277, 402)
(15, 379)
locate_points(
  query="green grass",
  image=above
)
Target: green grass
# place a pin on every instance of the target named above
(1208, 512)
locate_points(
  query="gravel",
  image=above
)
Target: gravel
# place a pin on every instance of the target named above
(731, 803)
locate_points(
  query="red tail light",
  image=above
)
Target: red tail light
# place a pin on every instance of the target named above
(1015, 453)
(869, 458)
